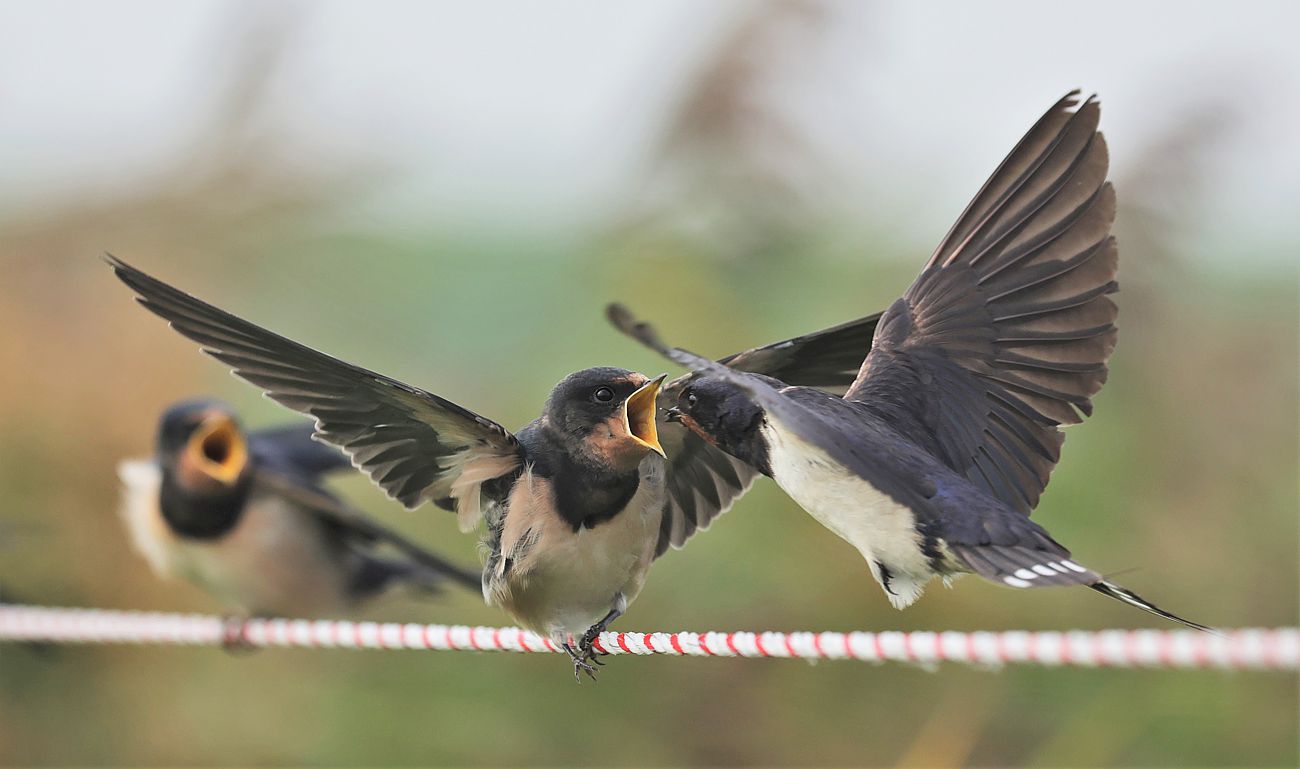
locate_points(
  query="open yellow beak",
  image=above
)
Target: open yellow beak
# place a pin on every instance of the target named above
(218, 450)
(639, 415)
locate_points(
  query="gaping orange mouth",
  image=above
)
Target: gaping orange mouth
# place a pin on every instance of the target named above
(218, 450)
(639, 412)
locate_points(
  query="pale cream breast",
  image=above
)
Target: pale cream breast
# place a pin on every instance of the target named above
(559, 581)
(275, 560)
(138, 509)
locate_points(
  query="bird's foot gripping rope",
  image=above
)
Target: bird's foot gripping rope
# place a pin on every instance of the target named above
(583, 661)
(1250, 649)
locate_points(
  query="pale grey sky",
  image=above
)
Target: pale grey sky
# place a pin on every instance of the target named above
(542, 110)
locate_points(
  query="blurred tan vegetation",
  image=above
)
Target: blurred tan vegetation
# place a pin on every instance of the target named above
(1187, 474)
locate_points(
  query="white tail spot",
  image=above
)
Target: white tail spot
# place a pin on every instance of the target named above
(1014, 582)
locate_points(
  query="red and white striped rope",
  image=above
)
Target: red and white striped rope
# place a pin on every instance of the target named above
(1255, 649)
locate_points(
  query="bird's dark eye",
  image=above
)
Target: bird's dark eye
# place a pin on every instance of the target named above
(691, 400)
(603, 394)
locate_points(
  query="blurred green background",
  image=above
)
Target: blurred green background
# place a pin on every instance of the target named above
(728, 213)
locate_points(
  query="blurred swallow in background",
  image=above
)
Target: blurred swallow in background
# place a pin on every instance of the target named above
(932, 461)
(575, 506)
(244, 516)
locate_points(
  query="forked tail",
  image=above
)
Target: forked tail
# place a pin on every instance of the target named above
(1133, 599)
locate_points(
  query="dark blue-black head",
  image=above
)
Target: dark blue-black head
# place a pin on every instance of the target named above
(607, 414)
(201, 447)
(725, 416)
(206, 469)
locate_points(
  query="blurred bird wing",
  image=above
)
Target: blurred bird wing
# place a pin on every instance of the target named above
(415, 445)
(703, 481)
(358, 530)
(294, 450)
(1005, 335)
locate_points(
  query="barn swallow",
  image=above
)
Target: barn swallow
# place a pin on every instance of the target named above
(244, 516)
(574, 507)
(933, 459)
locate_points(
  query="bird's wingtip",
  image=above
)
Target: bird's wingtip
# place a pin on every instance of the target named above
(622, 319)
(618, 314)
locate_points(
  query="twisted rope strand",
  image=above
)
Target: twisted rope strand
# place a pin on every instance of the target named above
(1246, 649)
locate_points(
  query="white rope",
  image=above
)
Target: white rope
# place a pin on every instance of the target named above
(1249, 649)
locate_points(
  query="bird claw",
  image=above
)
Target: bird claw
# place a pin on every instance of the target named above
(580, 667)
(232, 636)
(587, 644)
(582, 660)
(585, 656)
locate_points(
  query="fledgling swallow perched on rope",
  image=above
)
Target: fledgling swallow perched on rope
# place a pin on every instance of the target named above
(575, 506)
(933, 459)
(244, 516)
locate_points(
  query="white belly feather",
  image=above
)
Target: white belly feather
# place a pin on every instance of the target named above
(883, 530)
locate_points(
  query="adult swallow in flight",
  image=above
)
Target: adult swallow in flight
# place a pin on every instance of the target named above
(575, 506)
(933, 459)
(244, 516)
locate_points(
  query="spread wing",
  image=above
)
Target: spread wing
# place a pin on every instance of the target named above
(1005, 335)
(828, 359)
(994, 540)
(703, 482)
(416, 446)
